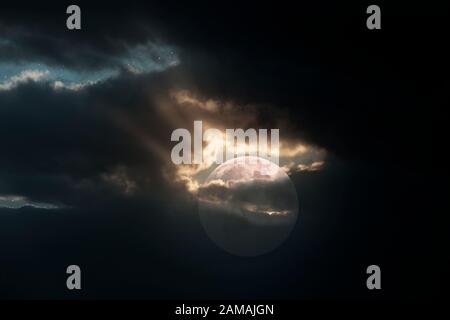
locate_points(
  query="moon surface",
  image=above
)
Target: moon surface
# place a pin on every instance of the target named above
(248, 206)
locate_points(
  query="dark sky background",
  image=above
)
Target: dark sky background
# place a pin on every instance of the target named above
(372, 99)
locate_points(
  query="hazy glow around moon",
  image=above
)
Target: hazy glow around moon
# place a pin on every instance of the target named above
(248, 206)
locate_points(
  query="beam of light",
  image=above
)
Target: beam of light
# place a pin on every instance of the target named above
(295, 155)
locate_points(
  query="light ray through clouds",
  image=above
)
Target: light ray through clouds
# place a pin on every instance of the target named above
(294, 154)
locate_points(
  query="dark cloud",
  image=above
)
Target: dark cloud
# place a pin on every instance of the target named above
(67, 140)
(347, 99)
(369, 99)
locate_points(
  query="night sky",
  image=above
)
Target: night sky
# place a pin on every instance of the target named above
(85, 124)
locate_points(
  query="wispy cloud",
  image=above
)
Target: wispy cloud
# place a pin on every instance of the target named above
(17, 202)
(22, 77)
(140, 59)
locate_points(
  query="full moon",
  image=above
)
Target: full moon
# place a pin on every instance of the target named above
(248, 206)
